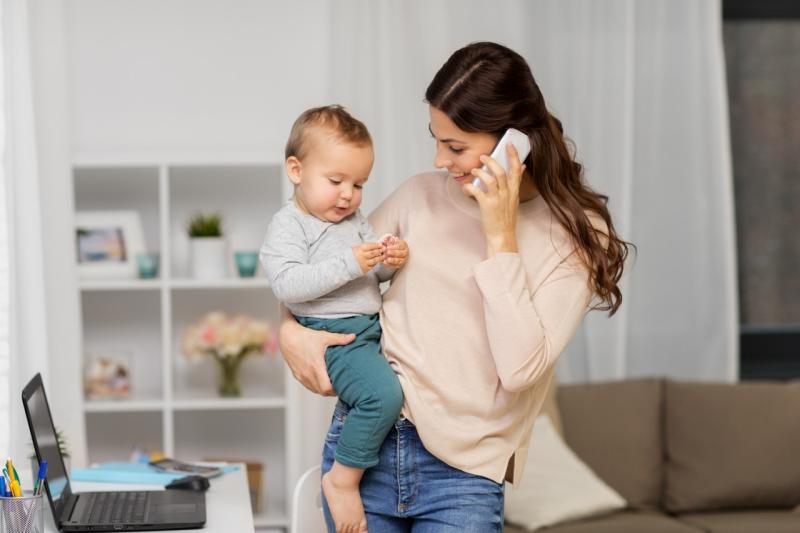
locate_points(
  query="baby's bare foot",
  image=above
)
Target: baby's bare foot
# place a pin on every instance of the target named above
(345, 504)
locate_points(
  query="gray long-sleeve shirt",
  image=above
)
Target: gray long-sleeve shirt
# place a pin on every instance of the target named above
(312, 268)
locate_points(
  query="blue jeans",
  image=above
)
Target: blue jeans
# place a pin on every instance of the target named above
(412, 491)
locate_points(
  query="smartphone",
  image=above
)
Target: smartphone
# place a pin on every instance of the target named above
(179, 467)
(520, 142)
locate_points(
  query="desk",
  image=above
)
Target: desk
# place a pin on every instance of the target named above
(227, 502)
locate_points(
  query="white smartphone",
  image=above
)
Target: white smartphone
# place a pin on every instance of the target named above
(179, 467)
(520, 142)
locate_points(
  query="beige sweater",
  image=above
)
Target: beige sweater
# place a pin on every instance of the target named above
(474, 341)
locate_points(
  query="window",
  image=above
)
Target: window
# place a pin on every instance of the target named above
(762, 50)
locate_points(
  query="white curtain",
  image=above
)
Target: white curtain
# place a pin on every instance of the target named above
(5, 316)
(640, 88)
(23, 327)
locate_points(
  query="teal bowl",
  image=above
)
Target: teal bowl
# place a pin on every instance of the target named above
(246, 263)
(147, 264)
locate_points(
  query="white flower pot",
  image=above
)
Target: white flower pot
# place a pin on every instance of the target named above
(209, 257)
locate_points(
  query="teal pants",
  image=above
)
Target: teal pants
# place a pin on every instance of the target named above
(364, 381)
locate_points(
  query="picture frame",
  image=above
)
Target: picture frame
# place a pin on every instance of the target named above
(107, 242)
(107, 375)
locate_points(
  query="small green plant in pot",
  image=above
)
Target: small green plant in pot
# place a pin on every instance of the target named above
(208, 249)
(61, 439)
(205, 226)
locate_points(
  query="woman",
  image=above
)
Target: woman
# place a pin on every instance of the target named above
(495, 285)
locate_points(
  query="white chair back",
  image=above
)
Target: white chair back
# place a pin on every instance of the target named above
(307, 514)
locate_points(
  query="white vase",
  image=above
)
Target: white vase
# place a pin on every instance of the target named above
(209, 257)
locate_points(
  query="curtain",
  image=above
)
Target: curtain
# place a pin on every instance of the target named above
(655, 137)
(23, 327)
(5, 317)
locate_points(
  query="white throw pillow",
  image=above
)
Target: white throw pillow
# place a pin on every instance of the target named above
(557, 485)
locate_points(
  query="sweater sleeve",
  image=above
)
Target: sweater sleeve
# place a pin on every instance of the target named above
(284, 256)
(528, 331)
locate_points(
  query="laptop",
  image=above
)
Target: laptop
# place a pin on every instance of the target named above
(102, 511)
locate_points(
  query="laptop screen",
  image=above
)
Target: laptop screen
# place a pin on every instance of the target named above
(45, 443)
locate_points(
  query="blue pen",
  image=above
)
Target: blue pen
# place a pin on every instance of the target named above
(37, 489)
(3, 487)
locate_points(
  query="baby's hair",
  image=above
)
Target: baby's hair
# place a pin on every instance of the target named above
(333, 118)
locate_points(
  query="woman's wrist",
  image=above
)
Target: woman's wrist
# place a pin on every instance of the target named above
(501, 243)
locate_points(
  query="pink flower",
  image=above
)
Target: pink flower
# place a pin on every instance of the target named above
(209, 335)
(270, 344)
(215, 333)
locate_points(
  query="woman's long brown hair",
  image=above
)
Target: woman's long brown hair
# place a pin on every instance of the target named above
(486, 87)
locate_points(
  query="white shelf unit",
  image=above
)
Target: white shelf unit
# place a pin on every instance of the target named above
(173, 406)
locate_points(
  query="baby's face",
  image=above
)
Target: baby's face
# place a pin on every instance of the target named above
(329, 180)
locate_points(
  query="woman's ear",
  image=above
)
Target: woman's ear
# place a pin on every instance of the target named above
(293, 169)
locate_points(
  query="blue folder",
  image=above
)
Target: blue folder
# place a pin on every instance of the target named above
(122, 472)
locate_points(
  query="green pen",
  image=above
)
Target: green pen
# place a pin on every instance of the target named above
(12, 470)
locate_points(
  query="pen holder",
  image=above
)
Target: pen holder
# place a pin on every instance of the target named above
(24, 514)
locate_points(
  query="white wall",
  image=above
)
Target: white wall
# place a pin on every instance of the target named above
(178, 75)
(156, 77)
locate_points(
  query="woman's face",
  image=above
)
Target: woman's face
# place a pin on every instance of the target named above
(458, 151)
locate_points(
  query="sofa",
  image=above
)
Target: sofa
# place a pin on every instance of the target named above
(687, 457)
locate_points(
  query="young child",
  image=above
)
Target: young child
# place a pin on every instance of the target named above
(324, 264)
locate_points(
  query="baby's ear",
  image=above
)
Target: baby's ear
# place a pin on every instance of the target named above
(293, 169)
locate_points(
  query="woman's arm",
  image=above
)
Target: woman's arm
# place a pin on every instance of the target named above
(528, 331)
(304, 351)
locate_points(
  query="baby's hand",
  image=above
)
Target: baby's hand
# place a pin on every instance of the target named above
(396, 253)
(368, 255)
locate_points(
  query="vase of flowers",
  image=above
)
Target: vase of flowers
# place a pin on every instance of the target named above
(228, 340)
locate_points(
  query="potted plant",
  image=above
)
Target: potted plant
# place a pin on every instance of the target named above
(207, 246)
(61, 440)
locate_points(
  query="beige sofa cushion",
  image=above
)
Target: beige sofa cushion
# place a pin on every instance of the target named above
(616, 429)
(557, 485)
(732, 445)
(622, 522)
(772, 521)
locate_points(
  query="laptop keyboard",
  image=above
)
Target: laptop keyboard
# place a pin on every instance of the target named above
(117, 508)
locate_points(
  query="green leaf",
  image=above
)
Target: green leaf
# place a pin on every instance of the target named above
(205, 225)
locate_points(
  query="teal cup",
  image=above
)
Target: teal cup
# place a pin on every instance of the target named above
(148, 264)
(246, 263)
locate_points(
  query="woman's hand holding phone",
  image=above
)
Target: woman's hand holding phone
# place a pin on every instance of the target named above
(512, 136)
(499, 203)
